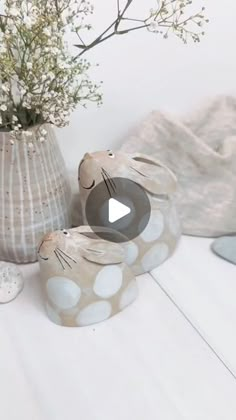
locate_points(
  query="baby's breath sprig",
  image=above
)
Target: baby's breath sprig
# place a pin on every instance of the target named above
(41, 81)
(168, 16)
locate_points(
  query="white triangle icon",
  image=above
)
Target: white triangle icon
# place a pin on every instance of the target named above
(117, 210)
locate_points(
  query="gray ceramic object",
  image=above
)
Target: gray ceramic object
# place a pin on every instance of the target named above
(85, 280)
(225, 247)
(11, 282)
(158, 241)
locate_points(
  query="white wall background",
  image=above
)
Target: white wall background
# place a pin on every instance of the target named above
(143, 72)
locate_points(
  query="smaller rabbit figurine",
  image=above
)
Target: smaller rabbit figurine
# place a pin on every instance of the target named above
(158, 240)
(85, 279)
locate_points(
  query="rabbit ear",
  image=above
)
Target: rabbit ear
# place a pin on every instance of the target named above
(152, 175)
(104, 252)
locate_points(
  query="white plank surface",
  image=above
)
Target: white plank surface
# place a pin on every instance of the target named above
(204, 288)
(145, 363)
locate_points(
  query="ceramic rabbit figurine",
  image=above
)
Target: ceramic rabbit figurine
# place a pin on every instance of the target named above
(85, 279)
(158, 240)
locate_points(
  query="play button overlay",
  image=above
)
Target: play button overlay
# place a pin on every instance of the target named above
(121, 205)
(117, 210)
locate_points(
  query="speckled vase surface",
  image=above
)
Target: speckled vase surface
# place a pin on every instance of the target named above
(34, 193)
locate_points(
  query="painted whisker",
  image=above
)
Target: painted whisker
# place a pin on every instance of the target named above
(66, 255)
(59, 259)
(111, 181)
(63, 258)
(105, 180)
(108, 181)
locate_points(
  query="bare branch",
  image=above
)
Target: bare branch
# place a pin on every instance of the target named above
(168, 15)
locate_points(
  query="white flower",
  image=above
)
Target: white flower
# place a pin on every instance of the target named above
(14, 11)
(3, 49)
(46, 32)
(52, 119)
(5, 88)
(28, 21)
(51, 75)
(29, 66)
(3, 108)
(153, 26)
(28, 133)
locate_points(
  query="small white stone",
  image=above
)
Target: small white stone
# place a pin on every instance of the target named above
(11, 282)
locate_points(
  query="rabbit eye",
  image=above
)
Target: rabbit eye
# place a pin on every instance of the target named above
(66, 232)
(111, 155)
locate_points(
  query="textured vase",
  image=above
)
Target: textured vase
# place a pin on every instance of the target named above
(201, 150)
(34, 193)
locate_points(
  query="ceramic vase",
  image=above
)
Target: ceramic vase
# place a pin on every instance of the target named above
(34, 193)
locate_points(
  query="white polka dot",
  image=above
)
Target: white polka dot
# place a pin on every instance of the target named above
(174, 222)
(155, 227)
(131, 252)
(108, 281)
(63, 292)
(53, 315)
(155, 256)
(94, 313)
(129, 295)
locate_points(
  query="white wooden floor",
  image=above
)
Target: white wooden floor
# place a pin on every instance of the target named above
(171, 355)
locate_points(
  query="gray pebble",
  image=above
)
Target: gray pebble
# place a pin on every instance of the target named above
(225, 247)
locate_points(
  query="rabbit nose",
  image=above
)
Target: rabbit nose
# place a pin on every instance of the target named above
(48, 237)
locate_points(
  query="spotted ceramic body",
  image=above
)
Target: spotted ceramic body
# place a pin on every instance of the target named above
(158, 241)
(85, 280)
(34, 194)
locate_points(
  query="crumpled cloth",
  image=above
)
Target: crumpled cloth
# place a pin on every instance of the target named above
(201, 150)
(225, 247)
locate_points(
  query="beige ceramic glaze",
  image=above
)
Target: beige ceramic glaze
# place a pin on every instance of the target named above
(158, 241)
(34, 194)
(85, 279)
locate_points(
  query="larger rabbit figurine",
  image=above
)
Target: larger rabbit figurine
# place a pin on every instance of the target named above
(85, 279)
(158, 240)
